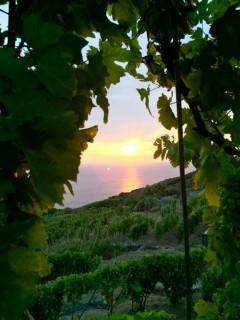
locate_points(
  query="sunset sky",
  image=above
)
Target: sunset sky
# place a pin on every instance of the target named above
(131, 130)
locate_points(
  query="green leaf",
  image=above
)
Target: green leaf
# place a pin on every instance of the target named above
(194, 81)
(144, 95)
(102, 101)
(6, 187)
(24, 261)
(97, 72)
(11, 232)
(225, 30)
(71, 46)
(115, 73)
(8, 129)
(212, 194)
(206, 310)
(112, 54)
(40, 34)
(36, 236)
(56, 74)
(166, 115)
(209, 177)
(235, 134)
(14, 73)
(124, 12)
(158, 152)
(87, 135)
(233, 290)
(203, 10)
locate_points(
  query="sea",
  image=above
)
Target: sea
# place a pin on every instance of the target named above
(99, 181)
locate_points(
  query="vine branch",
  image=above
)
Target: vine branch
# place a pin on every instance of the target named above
(182, 178)
(4, 11)
(11, 24)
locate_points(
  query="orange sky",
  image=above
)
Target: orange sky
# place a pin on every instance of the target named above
(129, 135)
(131, 150)
(130, 126)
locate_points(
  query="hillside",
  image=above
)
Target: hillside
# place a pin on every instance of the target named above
(118, 219)
(127, 227)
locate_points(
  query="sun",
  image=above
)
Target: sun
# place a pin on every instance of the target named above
(129, 149)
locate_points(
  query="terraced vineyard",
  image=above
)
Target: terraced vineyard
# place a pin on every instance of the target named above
(123, 254)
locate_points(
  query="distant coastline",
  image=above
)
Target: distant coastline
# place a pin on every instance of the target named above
(100, 181)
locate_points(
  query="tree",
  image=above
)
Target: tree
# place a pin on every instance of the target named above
(47, 91)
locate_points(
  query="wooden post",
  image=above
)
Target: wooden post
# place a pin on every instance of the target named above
(182, 179)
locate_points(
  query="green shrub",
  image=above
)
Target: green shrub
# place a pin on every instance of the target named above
(211, 280)
(180, 232)
(153, 315)
(108, 248)
(169, 208)
(194, 219)
(107, 203)
(124, 224)
(139, 282)
(146, 315)
(139, 229)
(145, 203)
(157, 189)
(132, 201)
(166, 224)
(72, 263)
(137, 279)
(50, 301)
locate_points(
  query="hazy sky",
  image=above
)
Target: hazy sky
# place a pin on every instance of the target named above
(130, 131)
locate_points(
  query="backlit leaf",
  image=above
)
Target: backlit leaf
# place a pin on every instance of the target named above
(124, 12)
(166, 115)
(212, 194)
(206, 310)
(36, 236)
(144, 95)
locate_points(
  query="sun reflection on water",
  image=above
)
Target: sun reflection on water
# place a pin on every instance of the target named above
(130, 180)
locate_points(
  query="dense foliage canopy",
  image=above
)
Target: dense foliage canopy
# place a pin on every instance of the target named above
(48, 88)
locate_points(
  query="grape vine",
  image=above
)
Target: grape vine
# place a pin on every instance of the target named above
(48, 89)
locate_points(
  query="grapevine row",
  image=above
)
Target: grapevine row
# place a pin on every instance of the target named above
(137, 279)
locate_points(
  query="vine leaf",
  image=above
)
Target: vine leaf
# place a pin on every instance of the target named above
(194, 82)
(167, 148)
(56, 74)
(36, 236)
(124, 12)
(103, 103)
(144, 95)
(159, 151)
(166, 115)
(209, 177)
(233, 290)
(206, 310)
(45, 33)
(71, 46)
(235, 135)
(111, 54)
(212, 194)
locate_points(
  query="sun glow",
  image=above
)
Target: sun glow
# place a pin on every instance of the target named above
(130, 148)
(124, 151)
